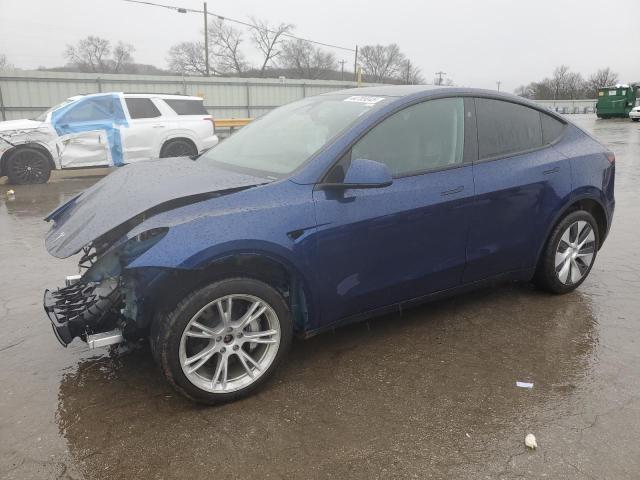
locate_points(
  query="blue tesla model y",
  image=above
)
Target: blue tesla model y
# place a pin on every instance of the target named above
(326, 211)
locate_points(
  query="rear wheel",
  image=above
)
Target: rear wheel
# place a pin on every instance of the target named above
(178, 148)
(636, 119)
(569, 254)
(27, 165)
(222, 342)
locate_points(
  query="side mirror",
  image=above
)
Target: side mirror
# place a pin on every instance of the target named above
(364, 173)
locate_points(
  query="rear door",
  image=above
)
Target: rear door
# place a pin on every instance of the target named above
(382, 246)
(520, 182)
(147, 128)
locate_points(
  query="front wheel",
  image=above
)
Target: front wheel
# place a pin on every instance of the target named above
(222, 342)
(28, 165)
(569, 253)
(636, 119)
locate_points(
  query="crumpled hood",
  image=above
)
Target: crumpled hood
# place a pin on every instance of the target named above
(11, 125)
(144, 187)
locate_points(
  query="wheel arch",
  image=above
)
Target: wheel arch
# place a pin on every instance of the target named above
(19, 146)
(175, 283)
(587, 202)
(178, 136)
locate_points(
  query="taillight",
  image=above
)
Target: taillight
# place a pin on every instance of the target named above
(611, 157)
(213, 123)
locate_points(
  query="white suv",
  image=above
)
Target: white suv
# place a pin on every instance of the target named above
(104, 129)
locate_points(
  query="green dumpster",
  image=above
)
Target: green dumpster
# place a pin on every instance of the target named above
(617, 101)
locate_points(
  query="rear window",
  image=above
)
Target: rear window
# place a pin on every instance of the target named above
(551, 128)
(187, 107)
(505, 127)
(141, 108)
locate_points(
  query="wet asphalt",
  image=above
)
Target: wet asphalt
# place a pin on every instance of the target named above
(429, 394)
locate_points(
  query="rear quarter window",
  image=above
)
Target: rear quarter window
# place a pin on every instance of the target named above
(141, 108)
(187, 107)
(505, 127)
(551, 128)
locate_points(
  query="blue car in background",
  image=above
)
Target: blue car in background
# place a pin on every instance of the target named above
(326, 211)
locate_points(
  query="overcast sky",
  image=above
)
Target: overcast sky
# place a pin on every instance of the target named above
(477, 42)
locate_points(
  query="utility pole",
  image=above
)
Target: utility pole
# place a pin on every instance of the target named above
(440, 74)
(355, 65)
(342, 62)
(408, 71)
(206, 41)
(498, 83)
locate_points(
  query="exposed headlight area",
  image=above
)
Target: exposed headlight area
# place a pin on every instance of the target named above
(90, 306)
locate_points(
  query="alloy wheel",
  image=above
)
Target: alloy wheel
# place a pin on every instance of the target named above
(575, 252)
(229, 343)
(28, 167)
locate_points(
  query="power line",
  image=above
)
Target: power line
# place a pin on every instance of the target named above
(240, 22)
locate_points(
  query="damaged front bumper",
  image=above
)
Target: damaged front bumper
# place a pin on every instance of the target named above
(82, 309)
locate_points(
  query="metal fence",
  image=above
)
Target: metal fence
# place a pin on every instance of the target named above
(570, 106)
(25, 94)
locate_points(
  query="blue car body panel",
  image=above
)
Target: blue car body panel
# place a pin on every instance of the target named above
(374, 247)
(359, 251)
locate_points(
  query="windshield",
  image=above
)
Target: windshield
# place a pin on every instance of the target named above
(286, 137)
(43, 116)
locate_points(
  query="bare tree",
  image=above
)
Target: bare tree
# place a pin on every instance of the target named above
(94, 54)
(604, 77)
(187, 58)
(381, 62)
(410, 74)
(122, 56)
(4, 62)
(224, 45)
(574, 85)
(526, 91)
(268, 39)
(306, 60)
(559, 81)
(90, 54)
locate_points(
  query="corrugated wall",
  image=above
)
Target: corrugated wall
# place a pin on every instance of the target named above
(25, 94)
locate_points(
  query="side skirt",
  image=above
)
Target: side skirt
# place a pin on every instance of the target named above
(515, 275)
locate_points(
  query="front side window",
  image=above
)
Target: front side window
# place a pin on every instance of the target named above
(283, 139)
(142, 108)
(426, 136)
(90, 110)
(505, 127)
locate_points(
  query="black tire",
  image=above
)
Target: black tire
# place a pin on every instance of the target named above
(635, 119)
(168, 328)
(178, 148)
(546, 276)
(27, 165)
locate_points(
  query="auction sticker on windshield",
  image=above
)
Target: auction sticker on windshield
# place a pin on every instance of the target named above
(364, 99)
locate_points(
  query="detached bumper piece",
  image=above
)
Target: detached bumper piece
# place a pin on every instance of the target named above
(80, 308)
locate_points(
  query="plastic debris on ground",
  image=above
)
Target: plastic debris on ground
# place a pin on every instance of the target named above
(530, 441)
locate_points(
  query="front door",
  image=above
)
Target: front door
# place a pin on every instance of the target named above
(89, 132)
(377, 247)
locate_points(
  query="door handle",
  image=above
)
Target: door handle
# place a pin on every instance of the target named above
(553, 170)
(452, 191)
(158, 126)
